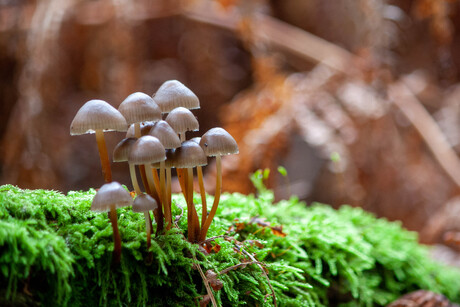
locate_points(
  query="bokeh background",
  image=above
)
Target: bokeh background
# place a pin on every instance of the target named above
(358, 99)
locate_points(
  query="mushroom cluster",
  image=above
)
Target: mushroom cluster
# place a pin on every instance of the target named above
(156, 146)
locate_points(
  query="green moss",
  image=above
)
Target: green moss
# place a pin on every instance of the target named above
(55, 251)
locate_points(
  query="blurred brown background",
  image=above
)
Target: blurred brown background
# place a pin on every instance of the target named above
(372, 83)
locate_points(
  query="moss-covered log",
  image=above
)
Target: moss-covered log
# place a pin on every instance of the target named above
(55, 251)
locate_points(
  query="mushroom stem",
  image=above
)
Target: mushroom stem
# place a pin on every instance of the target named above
(148, 228)
(181, 177)
(166, 207)
(150, 179)
(192, 216)
(132, 172)
(103, 155)
(204, 209)
(137, 130)
(215, 204)
(168, 192)
(144, 179)
(116, 256)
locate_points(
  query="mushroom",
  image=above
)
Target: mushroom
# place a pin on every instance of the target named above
(97, 116)
(199, 172)
(173, 94)
(143, 204)
(216, 142)
(110, 197)
(168, 137)
(182, 120)
(139, 107)
(145, 151)
(189, 155)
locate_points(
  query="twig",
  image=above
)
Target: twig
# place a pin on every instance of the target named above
(403, 98)
(234, 267)
(206, 282)
(263, 272)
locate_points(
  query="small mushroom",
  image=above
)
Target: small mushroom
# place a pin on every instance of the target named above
(120, 154)
(110, 197)
(182, 120)
(216, 142)
(143, 204)
(173, 94)
(97, 116)
(188, 156)
(145, 151)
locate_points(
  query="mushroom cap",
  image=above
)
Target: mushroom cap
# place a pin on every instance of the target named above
(139, 107)
(173, 94)
(217, 141)
(147, 149)
(196, 140)
(145, 129)
(166, 134)
(190, 154)
(182, 120)
(121, 151)
(111, 194)
(144, 202)
(97, 115)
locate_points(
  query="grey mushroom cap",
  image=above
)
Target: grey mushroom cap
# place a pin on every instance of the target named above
(190, 154)
(182, 120)
(145, 129)
(196, 140)
(97, 115)
(147, 149)
(166, 134)
(111, 194)
(217, 141)
(173, 94)
(139, 107)
(121, 151)
(144, 202)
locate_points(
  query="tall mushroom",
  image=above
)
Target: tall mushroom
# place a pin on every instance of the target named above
(168, 137)
(216, 142)
(120, 154)
(182, 120)
(188, 156)
(199, 172)
(145, 151)
(173, 94)
(110, 197)
(97, 116)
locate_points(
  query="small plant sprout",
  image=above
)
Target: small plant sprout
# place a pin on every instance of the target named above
(143, 204)
(145, 151)
(282, 170)
(168, 137)
(182, 120)
(139, 107)
(188, 156)
(216, 142)
(110, 197)
(173, 94)
(97, 116)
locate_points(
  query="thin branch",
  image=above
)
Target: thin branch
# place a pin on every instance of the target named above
(403, 98)
(236, 266)
(263, 272)
(205, 281)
